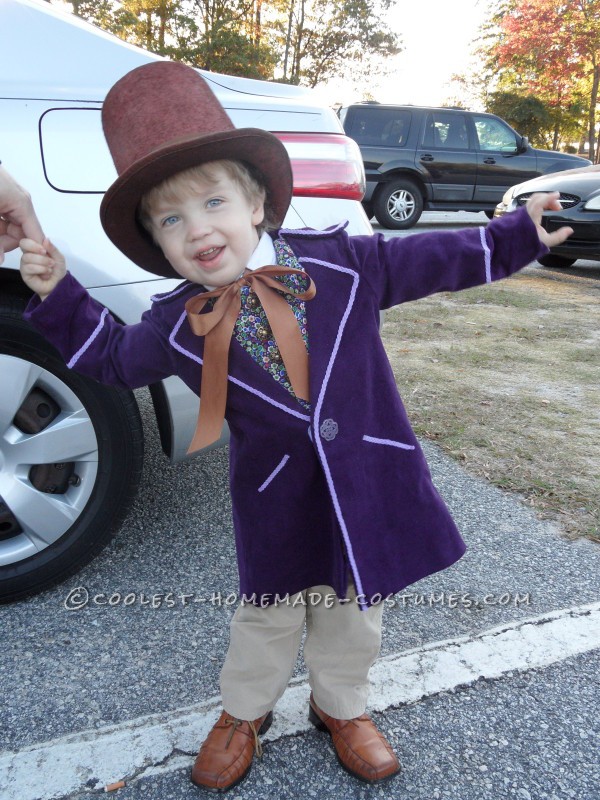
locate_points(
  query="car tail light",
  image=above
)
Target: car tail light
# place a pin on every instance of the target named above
(325, 165)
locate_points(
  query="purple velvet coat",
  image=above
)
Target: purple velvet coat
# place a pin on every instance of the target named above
(343, 490)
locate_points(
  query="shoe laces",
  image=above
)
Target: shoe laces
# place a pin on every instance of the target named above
(235, 724)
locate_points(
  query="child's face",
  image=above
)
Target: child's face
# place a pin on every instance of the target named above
(207, 233)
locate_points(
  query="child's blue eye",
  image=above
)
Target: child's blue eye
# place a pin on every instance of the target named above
(214, 202)
(169, 221)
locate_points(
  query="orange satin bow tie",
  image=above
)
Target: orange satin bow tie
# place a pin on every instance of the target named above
(217, 328)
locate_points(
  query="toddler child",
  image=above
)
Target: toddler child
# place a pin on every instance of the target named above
(333, 504)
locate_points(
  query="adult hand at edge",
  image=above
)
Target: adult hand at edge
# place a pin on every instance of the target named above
(17, 216)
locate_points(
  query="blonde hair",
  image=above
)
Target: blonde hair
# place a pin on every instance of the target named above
(171, 189)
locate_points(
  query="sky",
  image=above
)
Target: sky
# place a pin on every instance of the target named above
(436, 37)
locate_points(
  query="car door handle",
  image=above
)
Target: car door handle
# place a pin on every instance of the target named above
(427, 157)
(489, 160)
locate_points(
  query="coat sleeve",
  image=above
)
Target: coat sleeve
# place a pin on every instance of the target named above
(406, 268)
(92, 342)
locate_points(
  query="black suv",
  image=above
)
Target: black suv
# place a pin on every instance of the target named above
(441, 159)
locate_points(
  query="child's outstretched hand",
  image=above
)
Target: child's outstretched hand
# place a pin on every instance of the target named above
(547, 202)
(42, 266)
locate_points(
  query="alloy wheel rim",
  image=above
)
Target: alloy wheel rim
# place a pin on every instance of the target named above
(401, 205)
(68, 440)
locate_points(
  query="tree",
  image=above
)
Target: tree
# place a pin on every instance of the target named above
(583, 22)
(110, 16)
(528, 115)
(549, 50)
(232, 39)
(311, 40)
(142, 22)
(223, 35)
(322, 38)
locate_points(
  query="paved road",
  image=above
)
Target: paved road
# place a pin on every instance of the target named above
(488, 684)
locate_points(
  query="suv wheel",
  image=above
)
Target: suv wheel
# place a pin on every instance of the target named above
(70, 460)
(556, 261)
(398, 204)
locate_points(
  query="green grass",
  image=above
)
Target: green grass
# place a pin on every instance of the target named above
(512, 393)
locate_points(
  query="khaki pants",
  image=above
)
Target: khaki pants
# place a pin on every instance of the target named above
(342, 642)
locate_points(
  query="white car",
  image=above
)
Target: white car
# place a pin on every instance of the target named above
(70, 449)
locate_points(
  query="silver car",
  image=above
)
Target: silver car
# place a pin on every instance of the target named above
(579, 191)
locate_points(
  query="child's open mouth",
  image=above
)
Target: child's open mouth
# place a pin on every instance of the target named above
(209, 257)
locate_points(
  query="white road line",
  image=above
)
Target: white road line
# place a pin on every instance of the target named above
(164, 742)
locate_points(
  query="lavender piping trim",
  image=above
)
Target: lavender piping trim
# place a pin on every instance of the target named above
(177, 346)
(318, 441)
(268, 399)
(157, 298)
(391, 442)
(89, 341)
(311, 232)
(243, 385)
(275, 472)
(487, 254)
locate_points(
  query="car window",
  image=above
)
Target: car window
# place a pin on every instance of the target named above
(386, 127)
(493, 134)
(447, 131)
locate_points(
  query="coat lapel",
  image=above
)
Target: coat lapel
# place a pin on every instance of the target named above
(326, 316)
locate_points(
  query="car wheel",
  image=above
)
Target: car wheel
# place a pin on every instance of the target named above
(556, 261)
(398, 205)
(71, 454)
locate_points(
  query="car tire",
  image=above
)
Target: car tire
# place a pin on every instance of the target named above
(398, 204)
(368, 208)
(71, 453)
(556, 261)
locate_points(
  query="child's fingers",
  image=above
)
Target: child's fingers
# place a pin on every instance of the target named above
(549, 201)
(34, 259)
(37, 269)
(30, 246)
(539, 202)
(558, 237)
(552, 202)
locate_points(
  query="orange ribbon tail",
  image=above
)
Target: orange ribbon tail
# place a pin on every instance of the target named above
(217, 327)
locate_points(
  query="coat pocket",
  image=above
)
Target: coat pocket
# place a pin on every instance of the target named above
(388, 442)
(273, 474)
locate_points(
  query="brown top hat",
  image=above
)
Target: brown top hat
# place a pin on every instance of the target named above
(160, 119)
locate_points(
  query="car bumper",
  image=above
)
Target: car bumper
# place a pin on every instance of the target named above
(584, 242)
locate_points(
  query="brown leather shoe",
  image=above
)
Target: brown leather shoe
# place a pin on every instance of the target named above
(361, 749)
(226, 756)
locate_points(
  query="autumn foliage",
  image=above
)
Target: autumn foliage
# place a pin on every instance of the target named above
(550, 50)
